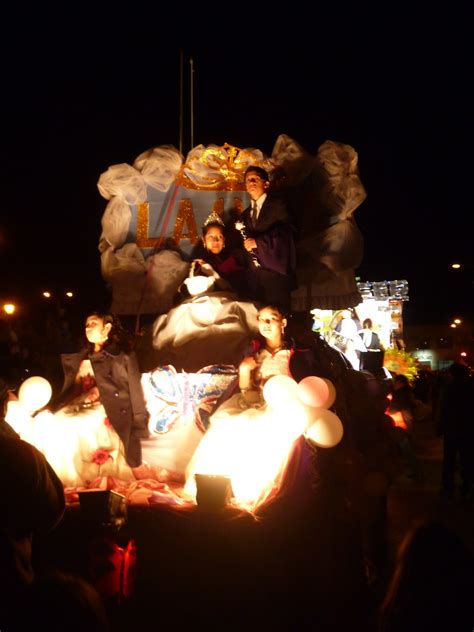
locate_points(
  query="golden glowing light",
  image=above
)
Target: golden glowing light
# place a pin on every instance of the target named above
(398, 420)
(252, 446)
(455, 266)
(69, 294)
(47, 294)
(17, 416)
(9, 308)
(453, 325)
(265, 440)
(458, 321)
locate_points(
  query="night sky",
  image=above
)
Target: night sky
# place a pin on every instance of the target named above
(80, 96)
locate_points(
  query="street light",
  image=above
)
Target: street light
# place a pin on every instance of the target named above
(9, 308)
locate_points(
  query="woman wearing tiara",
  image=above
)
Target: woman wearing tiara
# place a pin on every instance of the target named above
(211, 257)
(212, 324)
(231, 266)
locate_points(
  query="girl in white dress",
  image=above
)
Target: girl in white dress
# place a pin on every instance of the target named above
(248, 441)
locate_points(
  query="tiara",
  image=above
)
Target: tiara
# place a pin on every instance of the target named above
(214, 218)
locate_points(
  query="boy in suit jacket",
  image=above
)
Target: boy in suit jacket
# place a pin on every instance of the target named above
(271, 242)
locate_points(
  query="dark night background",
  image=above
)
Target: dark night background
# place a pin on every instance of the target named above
(80, 95)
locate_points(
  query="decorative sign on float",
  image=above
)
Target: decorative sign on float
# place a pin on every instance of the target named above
(157, 207)
(174, 218)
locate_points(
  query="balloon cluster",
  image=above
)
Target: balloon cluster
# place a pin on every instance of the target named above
(309, 400)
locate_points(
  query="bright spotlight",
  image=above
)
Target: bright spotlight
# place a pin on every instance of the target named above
(455, 266)
(47, 294)
(9, 308)
(69, 294)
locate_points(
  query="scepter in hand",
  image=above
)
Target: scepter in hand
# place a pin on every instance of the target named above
(240, 226)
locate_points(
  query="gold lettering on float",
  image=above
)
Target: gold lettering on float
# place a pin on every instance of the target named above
(184, 218)
(143, 241)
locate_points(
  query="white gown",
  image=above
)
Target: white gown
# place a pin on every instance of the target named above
(78, 440)
(247, 440)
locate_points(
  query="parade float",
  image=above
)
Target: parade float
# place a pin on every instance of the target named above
(382, 304)
(152, 221)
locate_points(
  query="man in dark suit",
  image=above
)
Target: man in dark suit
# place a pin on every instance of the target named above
(369, 337)
(270, 242)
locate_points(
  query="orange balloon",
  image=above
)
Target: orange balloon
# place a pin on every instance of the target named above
(313, 391)
(332, 393)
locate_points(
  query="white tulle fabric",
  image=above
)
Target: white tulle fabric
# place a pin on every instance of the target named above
(342, 192)
(330, 245)
(159, 166)
(115, 222)
(123, 181)
(145, 285)
(295, 161)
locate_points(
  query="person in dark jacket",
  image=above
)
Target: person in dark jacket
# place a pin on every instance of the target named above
(370, 339)
(456, 425)
(269, 242)
(403, 402)
(32, 505)
(108, 370)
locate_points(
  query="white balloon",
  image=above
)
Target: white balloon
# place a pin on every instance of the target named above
(280, 391)
(311, 413)
(327, 429)
(35, 392)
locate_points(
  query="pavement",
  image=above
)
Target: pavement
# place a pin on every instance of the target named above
(412, 500)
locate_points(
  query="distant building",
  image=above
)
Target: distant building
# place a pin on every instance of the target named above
(436, 347)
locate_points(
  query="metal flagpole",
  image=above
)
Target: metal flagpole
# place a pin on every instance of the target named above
(181, 101)
(191, 100)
